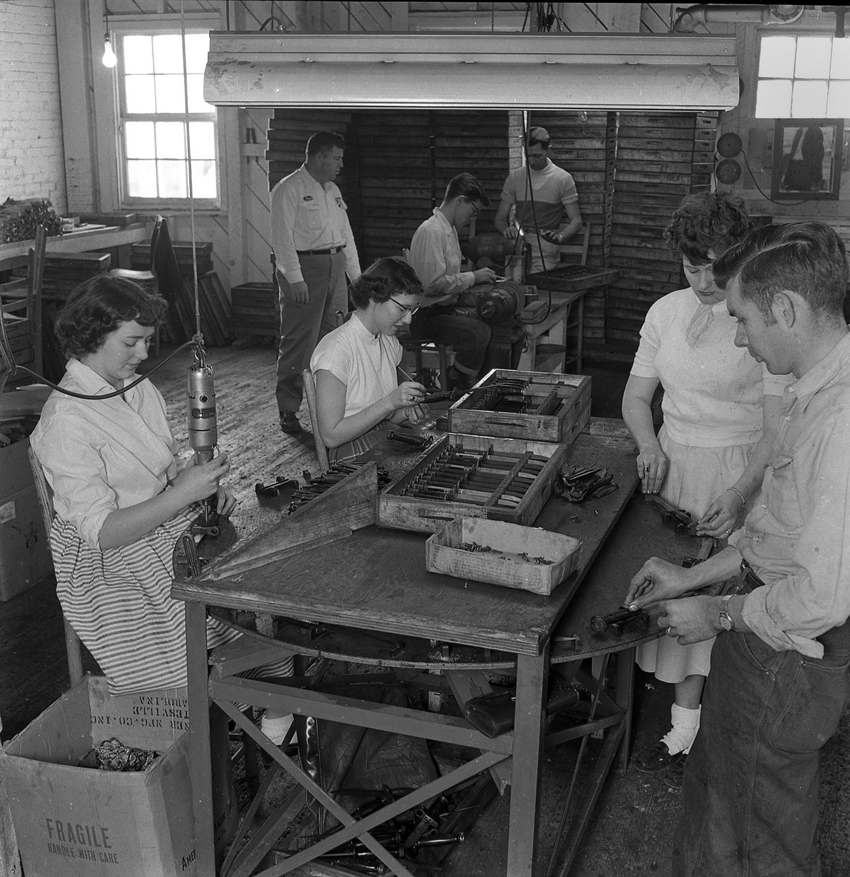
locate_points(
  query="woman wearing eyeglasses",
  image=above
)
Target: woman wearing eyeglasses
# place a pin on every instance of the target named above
(355, 366)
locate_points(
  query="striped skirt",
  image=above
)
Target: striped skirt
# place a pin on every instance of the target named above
(119, 603)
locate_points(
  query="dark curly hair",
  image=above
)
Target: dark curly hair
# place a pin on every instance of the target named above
(386, 277)
(706, 221)
(98, 306)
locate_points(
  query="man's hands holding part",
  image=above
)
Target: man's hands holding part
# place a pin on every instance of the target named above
(485, 275)
(660, 583)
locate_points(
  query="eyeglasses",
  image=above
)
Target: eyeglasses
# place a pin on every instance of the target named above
(406, 309)
(475, 208)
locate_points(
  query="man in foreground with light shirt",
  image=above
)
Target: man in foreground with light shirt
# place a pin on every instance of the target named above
(779, 681)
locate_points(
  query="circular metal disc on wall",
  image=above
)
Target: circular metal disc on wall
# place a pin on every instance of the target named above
(729, 144)
(728, 171)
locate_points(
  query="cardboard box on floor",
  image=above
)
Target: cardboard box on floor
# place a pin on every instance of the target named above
(83, 822)
(24, 550)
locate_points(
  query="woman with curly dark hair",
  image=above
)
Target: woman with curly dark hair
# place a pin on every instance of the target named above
(355, 366)
(121, 496)
(720, 408)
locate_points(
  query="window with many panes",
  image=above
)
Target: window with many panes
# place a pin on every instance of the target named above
(806, 76)
(166, 128)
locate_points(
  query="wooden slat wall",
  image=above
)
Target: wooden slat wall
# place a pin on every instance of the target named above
(397, 187)
(406, 161)
(660, 159)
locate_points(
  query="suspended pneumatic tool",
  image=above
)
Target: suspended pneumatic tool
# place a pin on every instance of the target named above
(203, 426)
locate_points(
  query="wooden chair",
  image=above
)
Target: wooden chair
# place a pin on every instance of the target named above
(163, 275)
(310, 393)
(44, 495)
(20, 310)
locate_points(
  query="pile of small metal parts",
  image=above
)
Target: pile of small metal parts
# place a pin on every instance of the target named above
(580, 483)
(515, 396)
(477, 477)
(314, 487)
(112, 754)
(473, 546)
(405, 836)
(540, 561)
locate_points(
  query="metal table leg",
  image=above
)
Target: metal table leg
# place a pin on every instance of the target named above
(199, 732)
(532, 674)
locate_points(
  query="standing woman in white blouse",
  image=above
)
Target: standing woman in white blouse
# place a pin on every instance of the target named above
(721, 409)
(121, 497)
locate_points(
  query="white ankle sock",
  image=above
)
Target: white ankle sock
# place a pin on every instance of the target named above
(681, 736)
(275, 725)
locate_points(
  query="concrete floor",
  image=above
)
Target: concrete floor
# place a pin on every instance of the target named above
(629, 833)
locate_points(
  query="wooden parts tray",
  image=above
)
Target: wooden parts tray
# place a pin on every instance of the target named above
(502, 554)
(505, 480)
(524, 405)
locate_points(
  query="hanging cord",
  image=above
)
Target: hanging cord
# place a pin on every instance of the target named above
(199, 337)
(530, 189)
(16, 368)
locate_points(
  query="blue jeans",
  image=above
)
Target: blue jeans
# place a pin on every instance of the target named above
(752, 780)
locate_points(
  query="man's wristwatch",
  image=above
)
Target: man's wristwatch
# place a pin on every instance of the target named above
(725, 620)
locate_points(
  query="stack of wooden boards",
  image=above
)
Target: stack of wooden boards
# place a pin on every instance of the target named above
(254, 309)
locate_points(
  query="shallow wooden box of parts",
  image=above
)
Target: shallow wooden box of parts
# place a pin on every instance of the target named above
(503, 554)
(525, 405)
(522, 480)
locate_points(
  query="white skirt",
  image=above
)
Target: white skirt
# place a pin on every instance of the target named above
(695, 478)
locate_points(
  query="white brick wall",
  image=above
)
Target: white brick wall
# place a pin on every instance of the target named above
(31, 153)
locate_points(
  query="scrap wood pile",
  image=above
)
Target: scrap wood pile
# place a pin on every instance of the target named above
(19, 219)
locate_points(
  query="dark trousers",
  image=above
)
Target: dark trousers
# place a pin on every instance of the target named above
(752, 781)
(467, 334)
(302, 326)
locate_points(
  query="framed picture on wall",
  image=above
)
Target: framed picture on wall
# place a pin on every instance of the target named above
(807, 158)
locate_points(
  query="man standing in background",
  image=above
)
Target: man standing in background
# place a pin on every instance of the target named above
(553, 217)
(314, 249)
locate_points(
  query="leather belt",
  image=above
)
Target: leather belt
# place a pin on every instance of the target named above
(329, 252)
(836, 640)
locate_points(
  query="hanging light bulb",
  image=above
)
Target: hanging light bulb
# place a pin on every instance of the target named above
(110, 59)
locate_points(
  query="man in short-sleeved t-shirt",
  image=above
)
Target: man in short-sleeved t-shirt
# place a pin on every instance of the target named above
(549, 213)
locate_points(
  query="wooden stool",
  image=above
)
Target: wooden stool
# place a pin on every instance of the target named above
(428, 357)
